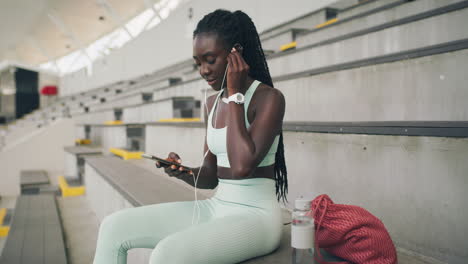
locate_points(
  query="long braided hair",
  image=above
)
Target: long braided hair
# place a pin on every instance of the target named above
(238, 27)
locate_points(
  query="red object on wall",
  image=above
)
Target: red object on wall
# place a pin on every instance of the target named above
(49, 90)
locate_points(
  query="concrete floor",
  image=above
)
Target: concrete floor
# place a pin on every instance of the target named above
(81, 227)
(6, 202)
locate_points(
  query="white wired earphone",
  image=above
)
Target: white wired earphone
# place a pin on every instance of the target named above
(195, 180)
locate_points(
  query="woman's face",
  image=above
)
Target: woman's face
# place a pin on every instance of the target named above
(211, 57)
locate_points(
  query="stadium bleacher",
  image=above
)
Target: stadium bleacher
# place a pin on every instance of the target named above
(376, 116)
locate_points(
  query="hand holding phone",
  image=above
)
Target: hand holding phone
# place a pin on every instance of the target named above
(172, 165)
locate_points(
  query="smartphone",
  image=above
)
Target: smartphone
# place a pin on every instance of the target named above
(166, 162)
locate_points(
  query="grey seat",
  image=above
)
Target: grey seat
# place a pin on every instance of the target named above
(36, 234)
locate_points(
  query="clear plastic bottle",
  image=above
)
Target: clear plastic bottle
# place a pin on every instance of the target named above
(302, 233)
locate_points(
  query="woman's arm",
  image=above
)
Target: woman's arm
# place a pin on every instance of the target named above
(247, 148)
(208, 178)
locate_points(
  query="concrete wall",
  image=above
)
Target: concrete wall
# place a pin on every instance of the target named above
(19, 132)
(44, 80)
(105, 200)
(7, 102)
(113, 137)
(365, 7)
(187, 142)
(307, 22)
(97, 118)
(80, 132)
(416, 185)
(428, 88)
(154, 49)
(408, 9)
(71, 166)
(42, 150)
(439, 29)
(96, 135)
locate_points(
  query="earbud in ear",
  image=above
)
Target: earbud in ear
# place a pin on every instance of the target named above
(238, 47)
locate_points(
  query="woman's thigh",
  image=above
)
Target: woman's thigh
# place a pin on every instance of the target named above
(229, 239)
(144, 227)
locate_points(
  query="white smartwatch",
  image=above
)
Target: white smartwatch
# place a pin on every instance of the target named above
(237, 98)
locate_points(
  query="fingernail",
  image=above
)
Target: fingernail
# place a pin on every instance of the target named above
(172, 166)
(181, 169)
(233, 49)
(180, 161)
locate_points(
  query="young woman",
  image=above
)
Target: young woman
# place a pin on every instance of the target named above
(244, 159)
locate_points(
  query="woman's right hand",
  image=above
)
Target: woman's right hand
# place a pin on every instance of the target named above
(173, 170)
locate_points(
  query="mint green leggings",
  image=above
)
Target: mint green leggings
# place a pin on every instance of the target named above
(241, 221)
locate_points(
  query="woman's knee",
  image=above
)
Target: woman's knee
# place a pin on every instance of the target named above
(114, 223)
(172, 251)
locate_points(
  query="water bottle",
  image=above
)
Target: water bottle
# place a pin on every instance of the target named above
(302, 233)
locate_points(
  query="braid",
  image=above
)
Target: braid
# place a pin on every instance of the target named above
(238, 27)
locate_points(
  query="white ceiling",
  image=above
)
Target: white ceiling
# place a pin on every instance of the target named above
(35, 31)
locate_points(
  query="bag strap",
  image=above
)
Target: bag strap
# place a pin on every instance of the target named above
(318, 254)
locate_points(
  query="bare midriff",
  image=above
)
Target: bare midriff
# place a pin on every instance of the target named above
(260, 172)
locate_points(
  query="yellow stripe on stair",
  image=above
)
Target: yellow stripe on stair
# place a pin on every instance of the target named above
(68, 191)
(4, 230)
(329, 22)
(124, 154)
(83, 141)
(195, 119)
(116, 122)
(288, 46)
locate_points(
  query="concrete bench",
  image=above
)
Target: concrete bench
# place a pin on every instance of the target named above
(35, 234)
(33, 177)
(366, 44)
(367, 6)
(74, 160)
(138, 187)
(35, 182)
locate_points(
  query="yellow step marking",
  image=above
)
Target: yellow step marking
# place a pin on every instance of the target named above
(288, 46)
(195, 119)
(115, 122)
(4, 230)
(329, 22)
(126, 155)
(83, 141)
(68, 191)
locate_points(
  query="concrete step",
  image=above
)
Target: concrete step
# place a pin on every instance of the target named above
(365, 6)
(421, 89)
(346, 27)
(391, 40)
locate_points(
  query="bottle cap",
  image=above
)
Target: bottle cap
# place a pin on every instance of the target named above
(303, 203)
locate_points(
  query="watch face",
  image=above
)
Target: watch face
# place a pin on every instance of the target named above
(237, 98)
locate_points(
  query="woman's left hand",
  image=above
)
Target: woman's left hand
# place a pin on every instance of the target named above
(238, 71)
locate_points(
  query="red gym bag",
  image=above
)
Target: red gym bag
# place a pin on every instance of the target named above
(351, 233)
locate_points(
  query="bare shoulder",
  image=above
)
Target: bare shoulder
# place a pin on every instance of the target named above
(269, 95)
